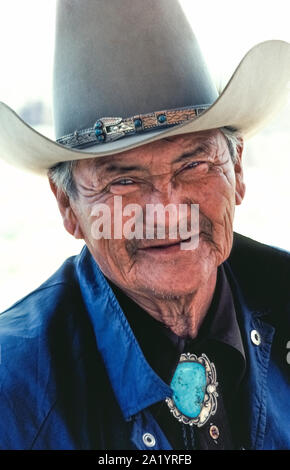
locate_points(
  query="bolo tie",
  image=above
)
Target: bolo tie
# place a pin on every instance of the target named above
(194, 399)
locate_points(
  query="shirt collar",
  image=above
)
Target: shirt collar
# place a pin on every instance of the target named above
(221, 322)
(135, 384)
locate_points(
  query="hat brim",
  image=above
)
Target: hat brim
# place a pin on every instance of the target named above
(257, 90)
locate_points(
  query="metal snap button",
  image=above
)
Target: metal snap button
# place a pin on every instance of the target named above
(148, 439)
(214, 432)
(255, 337)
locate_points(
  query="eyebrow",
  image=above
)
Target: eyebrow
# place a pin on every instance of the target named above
(117, 168)
(185, 155)
(122, 168)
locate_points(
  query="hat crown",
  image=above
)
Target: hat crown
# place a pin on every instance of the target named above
(122, 58)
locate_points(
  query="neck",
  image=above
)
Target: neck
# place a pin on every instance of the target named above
(182, 314)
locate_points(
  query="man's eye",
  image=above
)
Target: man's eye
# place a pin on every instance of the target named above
(193, 165)
(198, 169)
(122, 186)
(123, 182)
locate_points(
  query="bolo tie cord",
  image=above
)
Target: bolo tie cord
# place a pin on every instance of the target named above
(188, 445)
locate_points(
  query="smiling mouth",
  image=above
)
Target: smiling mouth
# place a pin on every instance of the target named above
(165, 247)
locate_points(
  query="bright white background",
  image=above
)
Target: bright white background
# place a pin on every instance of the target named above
(33, 242)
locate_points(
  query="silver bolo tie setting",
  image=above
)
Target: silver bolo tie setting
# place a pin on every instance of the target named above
(194, 386)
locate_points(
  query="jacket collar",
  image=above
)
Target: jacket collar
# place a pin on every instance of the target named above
(258, 357)
(134, 393)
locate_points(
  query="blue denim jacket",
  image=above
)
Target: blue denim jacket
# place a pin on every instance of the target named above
(72, 375)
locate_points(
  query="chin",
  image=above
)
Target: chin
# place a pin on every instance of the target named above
(168, 287)
(164, 294)
(177, 276)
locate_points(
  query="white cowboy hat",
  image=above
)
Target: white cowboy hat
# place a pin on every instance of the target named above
(127, 77)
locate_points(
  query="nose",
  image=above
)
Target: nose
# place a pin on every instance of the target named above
(168, 206)
(164, 191)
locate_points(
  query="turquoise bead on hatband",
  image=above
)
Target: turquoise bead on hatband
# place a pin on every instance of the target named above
(189, 386)
(138, 123)
(161, 118)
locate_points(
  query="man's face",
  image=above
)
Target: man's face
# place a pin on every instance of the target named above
(189, 169)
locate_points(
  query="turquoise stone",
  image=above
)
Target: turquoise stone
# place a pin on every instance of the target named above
(137, 123)
(189, 385)
(161, 118)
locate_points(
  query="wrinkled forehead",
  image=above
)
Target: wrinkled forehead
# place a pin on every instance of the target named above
(169, 148)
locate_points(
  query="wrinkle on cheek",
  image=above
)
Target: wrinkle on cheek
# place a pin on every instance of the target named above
(225, 169)
(223, 233)
(229, 175)
(218, 204)
(91, 196)
(222, 189)
(90, 182)
(119, 262)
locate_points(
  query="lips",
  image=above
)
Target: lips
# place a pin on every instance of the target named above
(162, 246)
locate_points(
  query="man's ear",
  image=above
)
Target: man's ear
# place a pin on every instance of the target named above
(240, 185)
(69, 218)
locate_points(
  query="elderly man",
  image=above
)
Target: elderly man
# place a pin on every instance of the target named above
(148, 342)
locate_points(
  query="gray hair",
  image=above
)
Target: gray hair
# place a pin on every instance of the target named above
(233, 139)
(62, 173)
